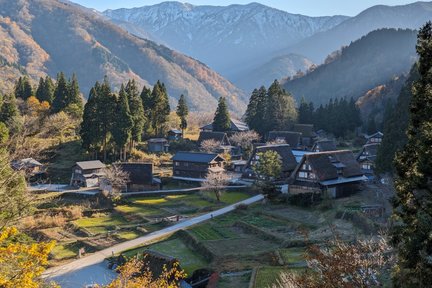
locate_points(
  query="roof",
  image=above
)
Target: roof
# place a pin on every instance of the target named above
(344, 180)
(27, 162)
(139, 173)
(175, 131)
(236, 125)
(220, 137)
(369, 151)
(377, 134)
(325, 164)
(307, 130)
(156, 261)
(90, 165)
(289, 162)
(325, 145)
(196, 157)
(291, 138)
(157, 140)
(298, 154)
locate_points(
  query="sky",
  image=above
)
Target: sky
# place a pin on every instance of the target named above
(305, 7)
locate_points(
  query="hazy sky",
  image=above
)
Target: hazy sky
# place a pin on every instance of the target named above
(306, 7)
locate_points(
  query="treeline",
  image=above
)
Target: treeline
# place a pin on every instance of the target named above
(116, 121)
(271, 109)
(338, 117)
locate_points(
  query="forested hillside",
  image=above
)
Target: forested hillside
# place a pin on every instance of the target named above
(366, 63)
(46, 36)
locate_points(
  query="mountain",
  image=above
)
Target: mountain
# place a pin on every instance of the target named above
(277, 68)
(366, 63)
(318, 46)
(227, 38)
(39, 37)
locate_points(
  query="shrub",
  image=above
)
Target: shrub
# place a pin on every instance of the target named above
(183, 145)
(74, 212)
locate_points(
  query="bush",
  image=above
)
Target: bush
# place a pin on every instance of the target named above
(74, 212)
(137, 155)
(183, 145)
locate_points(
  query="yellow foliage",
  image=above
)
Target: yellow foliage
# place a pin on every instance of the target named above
(21, 264)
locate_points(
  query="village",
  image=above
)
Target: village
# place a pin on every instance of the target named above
(324, 188)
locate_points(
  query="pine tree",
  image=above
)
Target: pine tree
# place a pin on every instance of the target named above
(412, 207)
(161, 108)
(182, 112)
(305, 112)
(45, 90)
(371, 126)
(74, 94)
(221, 121)
(9, 109)
(281, 110)
(105, 113)
(23, 88)
(123, 127)
(61, 94)
(148, 104)
(90, 130)
(136, 110)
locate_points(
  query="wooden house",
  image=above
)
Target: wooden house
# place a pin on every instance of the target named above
(324, 146)
(157, 145)
(308, 134)
(33, 169)
(87, 173)
(374, 138)
(286, 155)
(140, 176)
(336, 173)
(194, 166)
(236, 126)
(293, 139)
(175, 135)
(367, 157)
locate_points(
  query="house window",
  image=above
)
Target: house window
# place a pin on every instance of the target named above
(303, 175)
(366, 167)
(311, 176)
(306, 167)
(177, 164)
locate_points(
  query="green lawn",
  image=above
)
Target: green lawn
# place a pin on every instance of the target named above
(128, 235)
(192, 200)
(103, 224)
(65, 250)
(229, 197)
(292, 255)
(189, 259)
(267, 276)
(143, 210)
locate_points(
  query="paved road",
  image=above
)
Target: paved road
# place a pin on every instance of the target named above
(87, 270)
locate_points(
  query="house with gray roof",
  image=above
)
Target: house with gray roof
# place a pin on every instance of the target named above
(236, 126)
(293, 139)
(195, 166)
(308, 134)
(367, 157)
(87, 173)
(324, 145)
(336, 173)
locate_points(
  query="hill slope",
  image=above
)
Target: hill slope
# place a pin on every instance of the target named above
(47, 36)
(366, 63)
(318, 46)
(227, 37)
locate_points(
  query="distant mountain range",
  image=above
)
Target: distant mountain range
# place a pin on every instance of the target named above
(227, 38)
(244, 41)
(39, 37)
(365, 64)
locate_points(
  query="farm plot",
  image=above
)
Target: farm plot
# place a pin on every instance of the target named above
(292, 255)
(212, 232)
(239, 246)
(101, 224)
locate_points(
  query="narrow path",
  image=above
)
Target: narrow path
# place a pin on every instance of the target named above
(98, 257)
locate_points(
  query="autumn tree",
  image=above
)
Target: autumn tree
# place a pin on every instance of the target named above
(221, 120)
(182, 112)
(341, 264)
(412, 207)
(215, 183)
(245, 140)
(210, 146)
(22, 264)
(117, 179)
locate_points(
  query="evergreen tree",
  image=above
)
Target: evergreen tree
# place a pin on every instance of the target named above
(9, 109)
(90, 131)
(281, 110)
(123, 127)
(74, 95)
(255, 113)
(161, 109)
(148, 104)
(136, 110)
(105, 113)
(61, 94)
(45, 90)
(23, 88)
(221, 121)
(411, 234)
(182, 112)
(371, 126)
(305, 112)
(396, 120)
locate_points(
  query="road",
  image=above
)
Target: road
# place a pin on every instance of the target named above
(92, 269)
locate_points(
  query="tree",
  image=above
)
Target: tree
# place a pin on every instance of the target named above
(269, 165)
(221, 120)
(45, 90)
(245, 140)
(371, 126)
(215, 183)
(74, 96)
(182, 112)
(161, 109)
(210, 146)
(281, 110)
(4, 133)
(136, 111)
(105, 113)
(148, 104)
(60, 94)
(340, 264)
(305, 112)
(136, 273)
(117, 179)
(9, 109)
(23, 88)
(412, 207)
(22, 263)
(123, 127)
(90, 130)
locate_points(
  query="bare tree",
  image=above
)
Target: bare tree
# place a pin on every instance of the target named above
(216, 182)
(245, 141)
(341, 264)
(116, 179)
(210, 146)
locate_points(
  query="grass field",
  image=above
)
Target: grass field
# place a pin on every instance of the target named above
(65, 250)
(189, 259)
(128, 235)
(210, 232)
(292, 255)
(229, 197)
(103, 224)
